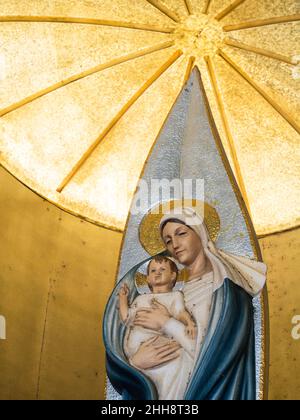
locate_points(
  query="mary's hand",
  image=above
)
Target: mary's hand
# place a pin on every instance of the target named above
(150, 354)
(153, 318)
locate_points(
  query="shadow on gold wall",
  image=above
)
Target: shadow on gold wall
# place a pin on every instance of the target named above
(56, 274)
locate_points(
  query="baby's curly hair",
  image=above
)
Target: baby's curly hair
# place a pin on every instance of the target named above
(160, 259)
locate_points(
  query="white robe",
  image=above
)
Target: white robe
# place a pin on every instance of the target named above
(198, 294)
(171, 379)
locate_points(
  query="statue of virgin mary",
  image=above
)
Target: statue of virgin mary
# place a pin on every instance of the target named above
(218, 294)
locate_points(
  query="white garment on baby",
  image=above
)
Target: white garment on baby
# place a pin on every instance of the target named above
(171, 379)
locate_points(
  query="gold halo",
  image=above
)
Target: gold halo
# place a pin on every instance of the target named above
(149, 234)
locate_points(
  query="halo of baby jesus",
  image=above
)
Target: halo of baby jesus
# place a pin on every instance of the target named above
(172, 377)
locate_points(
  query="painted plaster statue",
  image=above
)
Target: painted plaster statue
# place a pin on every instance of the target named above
(218, 294)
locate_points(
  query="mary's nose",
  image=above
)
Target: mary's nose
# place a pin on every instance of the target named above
(175, 243)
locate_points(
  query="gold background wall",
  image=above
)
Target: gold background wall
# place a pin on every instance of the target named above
(56, 275)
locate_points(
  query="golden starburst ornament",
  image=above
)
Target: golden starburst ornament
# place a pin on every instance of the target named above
(86, 87)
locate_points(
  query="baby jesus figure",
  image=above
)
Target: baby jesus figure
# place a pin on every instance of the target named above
(171, 378)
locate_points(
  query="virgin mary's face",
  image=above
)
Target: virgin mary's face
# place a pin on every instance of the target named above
(182, 242)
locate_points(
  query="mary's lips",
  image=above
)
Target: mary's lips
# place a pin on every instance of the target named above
(179, 252)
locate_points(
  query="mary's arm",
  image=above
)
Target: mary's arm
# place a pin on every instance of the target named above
(176, 330)
(158, 318)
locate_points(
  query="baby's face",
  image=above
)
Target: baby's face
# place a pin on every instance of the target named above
(160, 274)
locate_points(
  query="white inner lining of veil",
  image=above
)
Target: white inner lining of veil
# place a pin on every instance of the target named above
(247, 273)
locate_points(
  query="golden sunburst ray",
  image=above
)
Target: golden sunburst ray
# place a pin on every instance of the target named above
(189, 69)
(229, 9)
(230, 140)
(206, 6)
(165, 10)
(188, 6)
(261, 51)
(262, 22)
(117, 118)
(85, 74)
(279, 108)
(86, 21)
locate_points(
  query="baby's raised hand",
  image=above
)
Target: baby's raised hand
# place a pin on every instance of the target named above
(191, 330)
(124, 292)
